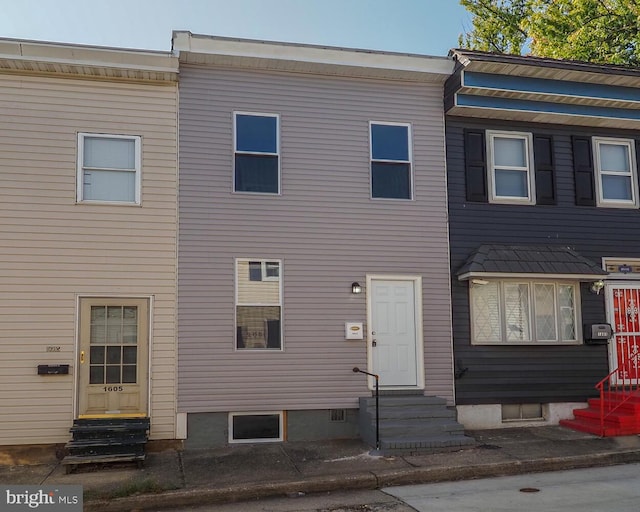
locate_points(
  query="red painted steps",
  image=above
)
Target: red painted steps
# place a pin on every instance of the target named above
(624, 420)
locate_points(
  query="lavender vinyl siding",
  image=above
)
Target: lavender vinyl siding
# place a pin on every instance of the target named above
(323, 227)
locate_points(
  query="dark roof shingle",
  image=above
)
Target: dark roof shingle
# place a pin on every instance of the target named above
(529, 259)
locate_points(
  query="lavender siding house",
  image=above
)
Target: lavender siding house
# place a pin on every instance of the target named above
(307, 174)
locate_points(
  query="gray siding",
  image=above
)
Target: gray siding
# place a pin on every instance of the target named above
(324, 227)
(545, 373)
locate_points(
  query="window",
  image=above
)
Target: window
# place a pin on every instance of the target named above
(258, 304)
(615, 167)
(510, 167)
(255, 427)
(390, 161)
(522, 311)
(264, 271)
(108, 168)
(257, 161)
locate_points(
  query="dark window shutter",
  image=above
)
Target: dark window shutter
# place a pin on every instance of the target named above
(583, 171)
(475, 163)
(545, 169)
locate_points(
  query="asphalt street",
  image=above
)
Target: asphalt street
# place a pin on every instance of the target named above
(600, 489)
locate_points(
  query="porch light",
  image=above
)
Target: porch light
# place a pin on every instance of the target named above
(597, 286)
(356, 288)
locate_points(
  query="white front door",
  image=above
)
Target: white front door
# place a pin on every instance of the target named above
(393, 331)
(623, 313)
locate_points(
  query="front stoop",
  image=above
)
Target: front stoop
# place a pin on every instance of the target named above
(623, 421)
(411, 423)
(107, 440)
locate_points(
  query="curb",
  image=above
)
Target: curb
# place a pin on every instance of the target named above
(356, 481)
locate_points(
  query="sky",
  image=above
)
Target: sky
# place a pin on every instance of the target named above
(429, 27)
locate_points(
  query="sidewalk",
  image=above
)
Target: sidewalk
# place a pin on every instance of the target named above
(243, 472)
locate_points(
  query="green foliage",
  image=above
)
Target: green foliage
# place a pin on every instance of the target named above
(602, 31)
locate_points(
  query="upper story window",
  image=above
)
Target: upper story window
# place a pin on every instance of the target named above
(615, 171)
(510, 167)
(524, 312)
(109, 168)
(257, 153)
(390, 161)
(258, 304)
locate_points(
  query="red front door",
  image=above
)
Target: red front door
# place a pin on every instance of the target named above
(624, 316)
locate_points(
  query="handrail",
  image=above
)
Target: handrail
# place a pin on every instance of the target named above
(624, 391)
(377, 377)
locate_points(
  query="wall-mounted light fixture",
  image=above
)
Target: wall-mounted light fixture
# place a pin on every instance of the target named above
(597, 286)
(356, 288)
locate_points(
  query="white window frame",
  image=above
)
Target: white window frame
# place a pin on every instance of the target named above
(529, 168)
(531, 283)
(237, 113)
(81, 168)
(632, 174)
(280, 304)
(410, 161)
(280, 415)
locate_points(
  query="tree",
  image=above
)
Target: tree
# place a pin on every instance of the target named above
(601, 31)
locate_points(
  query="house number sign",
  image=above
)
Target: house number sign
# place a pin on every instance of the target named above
(53, 349)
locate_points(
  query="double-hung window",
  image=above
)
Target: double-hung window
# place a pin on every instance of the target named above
(257, 153)
(510, 167)
(109, 168)
(523, 312)
(258, 304)
(615, 166)
(390, 161)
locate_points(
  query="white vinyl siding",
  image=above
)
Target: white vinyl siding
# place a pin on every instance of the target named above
(54, 250)
(324, 228)
(510, 169)
(516, 312)
(616, 172)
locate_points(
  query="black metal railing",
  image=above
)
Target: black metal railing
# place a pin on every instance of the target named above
(377, 377)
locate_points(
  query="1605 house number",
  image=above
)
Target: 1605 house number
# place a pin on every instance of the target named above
(113, 388)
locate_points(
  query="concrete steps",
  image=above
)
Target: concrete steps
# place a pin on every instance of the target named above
(411, 423)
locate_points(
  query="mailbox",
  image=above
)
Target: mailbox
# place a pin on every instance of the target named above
(597, 334)
(53, 369)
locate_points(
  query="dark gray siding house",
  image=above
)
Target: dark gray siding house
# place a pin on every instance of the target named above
(544, 226)
(313, 237)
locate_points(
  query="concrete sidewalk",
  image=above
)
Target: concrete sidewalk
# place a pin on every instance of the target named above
(243, 472)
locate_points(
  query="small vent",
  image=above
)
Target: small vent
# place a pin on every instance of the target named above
(521, 412)
(337, 415)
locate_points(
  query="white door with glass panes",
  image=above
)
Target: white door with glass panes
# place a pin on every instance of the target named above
(394, 332)
(113, 357)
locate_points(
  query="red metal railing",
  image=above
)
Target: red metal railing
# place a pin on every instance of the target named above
(615, 392)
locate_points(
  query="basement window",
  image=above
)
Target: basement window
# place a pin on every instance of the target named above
(255, 427)
(521, 412)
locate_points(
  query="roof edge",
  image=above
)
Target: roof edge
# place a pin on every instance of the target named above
(234, 49)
